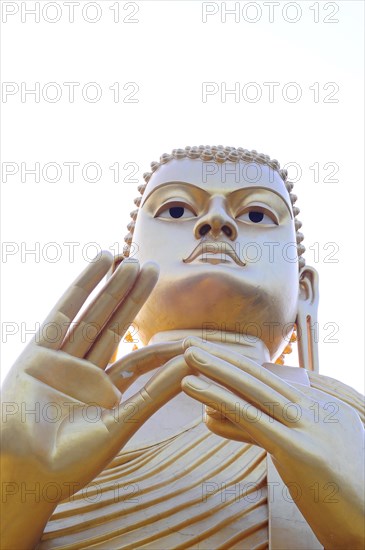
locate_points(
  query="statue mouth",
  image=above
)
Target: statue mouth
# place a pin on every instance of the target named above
(214, 252)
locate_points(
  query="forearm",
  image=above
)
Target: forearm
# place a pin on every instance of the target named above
(336, 513)
(344, 528)
(23, 519)
(27, 502)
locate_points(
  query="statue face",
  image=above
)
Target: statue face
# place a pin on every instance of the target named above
(224, 238)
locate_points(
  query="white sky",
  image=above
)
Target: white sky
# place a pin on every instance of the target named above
(169, 52)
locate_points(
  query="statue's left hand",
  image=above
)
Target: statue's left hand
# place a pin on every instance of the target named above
(316, 440)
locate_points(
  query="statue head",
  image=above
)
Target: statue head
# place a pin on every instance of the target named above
(222, 225)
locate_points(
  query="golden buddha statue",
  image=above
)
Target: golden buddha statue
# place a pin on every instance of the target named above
(215, 444)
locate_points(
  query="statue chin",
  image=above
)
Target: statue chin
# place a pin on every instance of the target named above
(220, 302)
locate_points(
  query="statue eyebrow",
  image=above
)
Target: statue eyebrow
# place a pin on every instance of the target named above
(173, 183)
(205, 192)
(267, 190)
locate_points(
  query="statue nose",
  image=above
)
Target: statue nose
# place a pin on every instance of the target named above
(216, 222)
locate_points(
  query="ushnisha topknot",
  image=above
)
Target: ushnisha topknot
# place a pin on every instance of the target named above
(219, 154)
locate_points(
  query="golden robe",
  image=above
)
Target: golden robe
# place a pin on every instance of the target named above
(195, 490)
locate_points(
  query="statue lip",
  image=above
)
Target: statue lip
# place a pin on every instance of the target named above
(214, 247)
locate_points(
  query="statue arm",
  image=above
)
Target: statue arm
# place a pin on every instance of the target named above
(309, 451)
(24, 517)
(49, 448)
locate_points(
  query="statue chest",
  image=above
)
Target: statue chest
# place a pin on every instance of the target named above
(195, 490)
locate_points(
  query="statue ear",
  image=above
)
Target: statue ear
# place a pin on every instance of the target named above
(307, 323)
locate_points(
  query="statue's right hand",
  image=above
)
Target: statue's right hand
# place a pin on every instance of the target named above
(62, 417)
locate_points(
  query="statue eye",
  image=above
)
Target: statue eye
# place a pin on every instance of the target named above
(175, 211)
(258, 215)
(255, 216)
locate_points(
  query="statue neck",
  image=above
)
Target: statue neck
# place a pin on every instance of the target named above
(247, 345)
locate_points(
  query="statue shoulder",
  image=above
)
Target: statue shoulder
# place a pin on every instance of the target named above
(339, 390)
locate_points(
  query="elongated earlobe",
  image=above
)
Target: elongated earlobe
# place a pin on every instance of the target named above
(307, 319)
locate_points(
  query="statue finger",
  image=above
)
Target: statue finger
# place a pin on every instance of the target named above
(124, 372)
(244, 385)
(83, 334)
(247, 350)
(220, 425)
(57, 323)
(110, 336)
(265, 431)
(253, 369)
(165, 384)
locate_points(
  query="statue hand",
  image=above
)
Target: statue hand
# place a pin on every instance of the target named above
(316, 440)
(63, 420)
